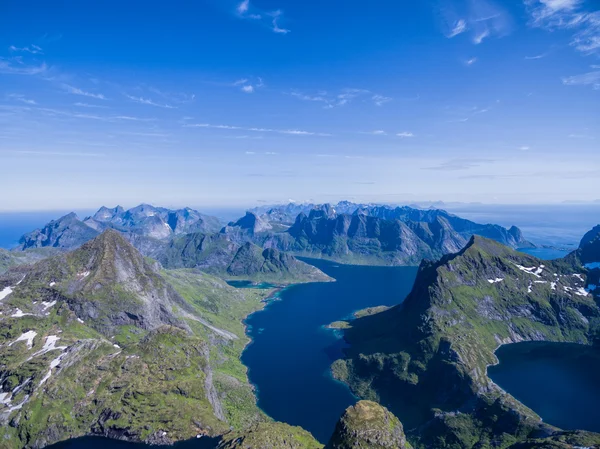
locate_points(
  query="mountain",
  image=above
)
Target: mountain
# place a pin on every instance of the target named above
(368, 425)
(427, 358)
(219, 255)
(512, 237)
(10, 259)
(68, 232)
(365, 234)
(155, 222)
(143, 225)
(589, 248)
(101, 341)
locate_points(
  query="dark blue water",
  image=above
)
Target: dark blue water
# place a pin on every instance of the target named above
(250, 284)
(556, 380)
(291, 353)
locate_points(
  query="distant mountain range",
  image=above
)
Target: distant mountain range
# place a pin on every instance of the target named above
(143, 221)
(346, 232)
(367, 234)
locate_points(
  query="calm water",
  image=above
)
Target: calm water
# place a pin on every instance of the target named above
(291, 352)
(558, 381)
(250, 284)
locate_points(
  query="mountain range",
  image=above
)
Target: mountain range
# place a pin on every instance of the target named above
(427, 358)
(101, 340)
(346, 232)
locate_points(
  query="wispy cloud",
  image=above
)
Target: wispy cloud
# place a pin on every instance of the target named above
(481, 19)
(343, 97)
(524, 148)
(57, 153)
(15, 66)
(33, 49)
(149, 102)
(405, 134)
(247, 86)
(21, 98)
(77, 91)
(459, 27)
(459, 164)
(586, 79)
(293, 132)
(87, 105)
(568, 15)
(470, 62)
(270, 19)
(380, 100)
(377, 132)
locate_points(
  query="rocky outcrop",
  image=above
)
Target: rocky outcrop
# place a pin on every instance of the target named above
(368, 425)
(270, 436)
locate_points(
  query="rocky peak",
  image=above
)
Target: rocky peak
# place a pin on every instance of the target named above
(368, 425)
(252, 223)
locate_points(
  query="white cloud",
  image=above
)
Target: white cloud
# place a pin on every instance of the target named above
(250, 152)
(524, 148)
(478, 38)
(586, 79)
(471, 61)
(243, 7)
(377, 132)
(343, 97)
(459, 27)
(405, 134)
(8, 67)
(22, 99)
(380, 100)
(33, 49)
(267, 18)
(481, 18)
(87, 105)
(248, 89)
(149, 102)
(76, 91)
(294, 132)
(568, 15)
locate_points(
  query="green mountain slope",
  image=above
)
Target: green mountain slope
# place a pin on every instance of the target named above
(427, 358)
(218, 254)
(99, 341)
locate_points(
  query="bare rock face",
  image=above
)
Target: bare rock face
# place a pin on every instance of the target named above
(368, 425)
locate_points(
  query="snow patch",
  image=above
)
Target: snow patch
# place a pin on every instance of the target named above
(553, 285)
(535, 271)
(581, 292)
(4, 293)
(495, 281)
(83, 274)
(530, 288)
(580, 277)
(26, 337)
(50, 345)
(541, 282)
(47, 305)
(53, 364)
(80, 320)
(52, 284)
(19, 313)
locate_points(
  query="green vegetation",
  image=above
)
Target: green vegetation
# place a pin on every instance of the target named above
(368, 425)
(427, 358)
(270, 436)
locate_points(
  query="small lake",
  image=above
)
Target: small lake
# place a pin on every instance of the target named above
(556, 380)
(291, 350)
(545, 253)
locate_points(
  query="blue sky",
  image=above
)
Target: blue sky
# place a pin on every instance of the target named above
(235, 103)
